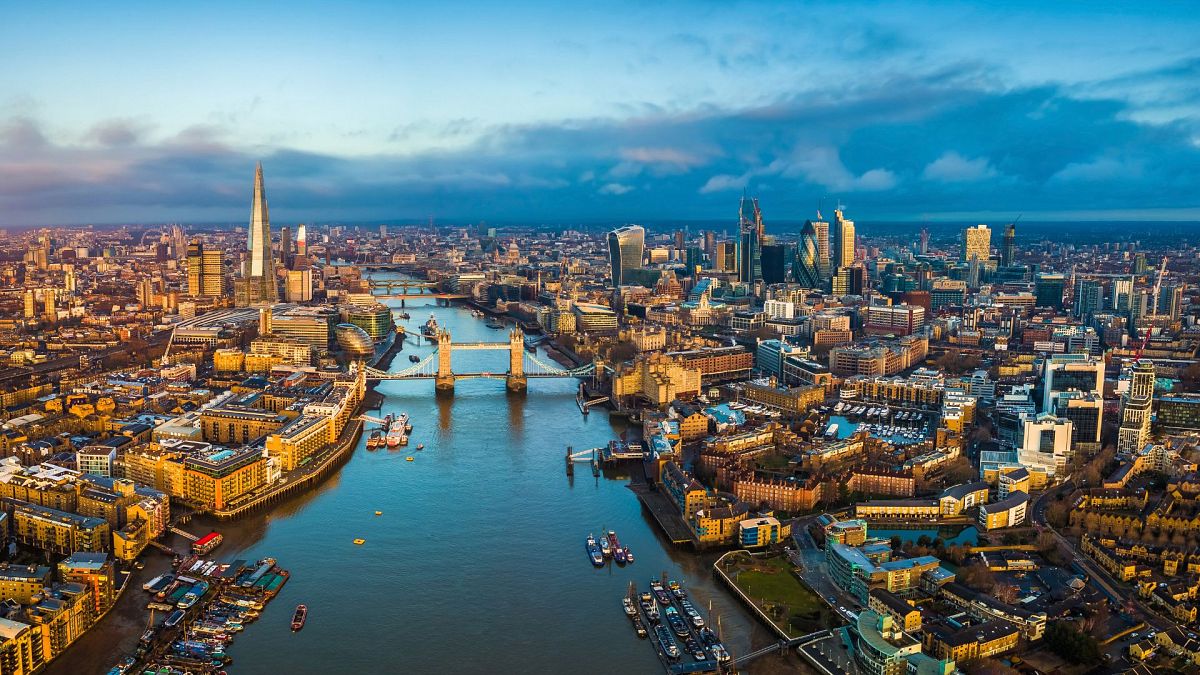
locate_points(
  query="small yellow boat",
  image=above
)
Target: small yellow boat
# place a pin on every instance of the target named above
(379, 513)
(360, 542)
(408, 459)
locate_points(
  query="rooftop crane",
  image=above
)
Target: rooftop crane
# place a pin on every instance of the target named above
(1153, 310)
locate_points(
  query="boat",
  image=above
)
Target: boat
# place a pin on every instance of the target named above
(618, 553)
(494, 324)
(630, 608)
(414, 358)
(409, 458)
(594, 551)
(207, 543)
(397, 434)
(403, 315)
(374, 440)
(667, 641)
(299, 617)
(628, 555)
(420, 446)
(676, 589)
(431, 328)
(605, 547)
(174, 619)
(379, 513)
(158, 581)
(360, 542)
(639, 626)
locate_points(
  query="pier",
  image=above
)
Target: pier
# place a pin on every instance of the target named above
(666, 515)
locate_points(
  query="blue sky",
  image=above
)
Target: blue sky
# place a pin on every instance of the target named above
(146, 112)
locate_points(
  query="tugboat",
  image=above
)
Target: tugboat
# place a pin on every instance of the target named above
(594, 553)
(299, 617)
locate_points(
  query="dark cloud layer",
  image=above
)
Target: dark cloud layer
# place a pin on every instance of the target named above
(953, 142)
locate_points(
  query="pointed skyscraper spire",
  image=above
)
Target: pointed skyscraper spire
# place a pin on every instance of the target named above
(261, 282)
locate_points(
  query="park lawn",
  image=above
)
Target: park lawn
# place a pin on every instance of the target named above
(771, 580)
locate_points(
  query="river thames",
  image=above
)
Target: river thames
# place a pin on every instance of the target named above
(477, 564)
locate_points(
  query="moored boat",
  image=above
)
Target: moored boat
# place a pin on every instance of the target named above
(628, 555)
(618, 553)
(397, 434)
(299, 617)
(605, 547)
(594, 552)
(430, 329)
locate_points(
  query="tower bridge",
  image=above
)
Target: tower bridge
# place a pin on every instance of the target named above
(436, 366)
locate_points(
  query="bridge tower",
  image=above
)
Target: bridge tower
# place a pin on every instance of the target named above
(516, 380)
(444, 381)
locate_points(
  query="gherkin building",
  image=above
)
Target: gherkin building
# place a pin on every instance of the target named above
(806, 267)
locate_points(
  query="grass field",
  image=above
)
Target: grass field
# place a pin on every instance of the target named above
(774, 588)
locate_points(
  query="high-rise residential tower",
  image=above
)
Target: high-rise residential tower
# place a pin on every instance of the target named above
(1134, 432)
(977, 243)
(807, 267)
(625, 248)
(261, 286)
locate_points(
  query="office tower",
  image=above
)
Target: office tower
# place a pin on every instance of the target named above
(51, 311)
(824, 259)
(807, 266)
(1170, 301)
(260, 283)
(69, 282)
(923, 247)
(1070, 372)
(1049, 290)
(1134, 432)
(694, 259)
(625, 247)
(680, 239)
(710, 245)
(750, 231)
(383, 231)
(1089, 298)
(977, 243)
(30, 306)
(205, 270)
(1086, 412)
(1046, 444)
(1008, 252)
(843, 241)
(774, 263)
(1121, 298)
(301, 242)
(285, 246)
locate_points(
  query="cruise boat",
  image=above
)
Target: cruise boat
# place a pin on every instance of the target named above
(299, 617)
(430, 329)
(397, 434)
(594, 552)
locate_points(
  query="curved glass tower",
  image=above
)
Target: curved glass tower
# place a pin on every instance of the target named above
(625, 252)
(807, 268)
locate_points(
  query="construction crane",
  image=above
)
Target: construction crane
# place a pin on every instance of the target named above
(1162, 269)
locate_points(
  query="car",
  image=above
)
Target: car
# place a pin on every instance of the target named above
(1133, 636)
(831, 599)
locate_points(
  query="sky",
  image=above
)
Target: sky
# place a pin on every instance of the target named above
(131, 112)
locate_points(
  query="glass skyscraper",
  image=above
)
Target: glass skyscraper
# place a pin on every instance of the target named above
(807, 268)
(625, 246)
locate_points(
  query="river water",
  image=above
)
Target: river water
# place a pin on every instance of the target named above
(477, 564)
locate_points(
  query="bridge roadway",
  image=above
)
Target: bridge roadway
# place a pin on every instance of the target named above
(419, 296)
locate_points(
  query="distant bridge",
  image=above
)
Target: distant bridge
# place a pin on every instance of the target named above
(410, 289)
(436, 366)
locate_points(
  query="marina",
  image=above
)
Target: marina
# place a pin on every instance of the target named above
(682, 639)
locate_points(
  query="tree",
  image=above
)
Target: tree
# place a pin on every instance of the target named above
(978, 577)
(1073, 645)
(990, 667)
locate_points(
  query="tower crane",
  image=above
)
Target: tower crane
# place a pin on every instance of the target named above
(1162, 269)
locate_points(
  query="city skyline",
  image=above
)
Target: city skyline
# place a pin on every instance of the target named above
(631, 115)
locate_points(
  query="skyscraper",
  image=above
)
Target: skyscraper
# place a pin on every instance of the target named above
(923, 247)
(977, 243)
(806, 269)
(824, 260)
(1049, 290)
(285, 246)
(1135, 408)
(750, 231)
(301, 241)
(261, 285)
(625, 246)
(843, 241)
(774, 263)
(1089, 298)
(1008, 252)
(205, 270)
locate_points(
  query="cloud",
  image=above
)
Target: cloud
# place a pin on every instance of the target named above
(948, 142)
(952, 167)
(615, 189)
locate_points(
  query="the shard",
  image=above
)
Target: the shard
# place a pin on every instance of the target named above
(260, 281)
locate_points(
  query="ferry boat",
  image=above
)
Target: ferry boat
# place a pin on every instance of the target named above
(594, 552)
(430, 329)
(207, 543)
(299, 617)
(397, 434)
